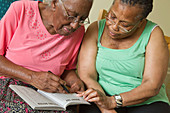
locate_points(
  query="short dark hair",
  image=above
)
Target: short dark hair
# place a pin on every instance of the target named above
(146, 5)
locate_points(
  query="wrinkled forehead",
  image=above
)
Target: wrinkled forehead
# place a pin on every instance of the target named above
(126, 11)
(78, 6)
(78, 1)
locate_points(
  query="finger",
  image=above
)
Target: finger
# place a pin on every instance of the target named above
(82, 89)
(57, 86)
(80, 94)
(62, 82)
(62, 90)
(74, 88)
(87, 92)
(95, 99)
(57, 78)
(51, 89)
(93, 94)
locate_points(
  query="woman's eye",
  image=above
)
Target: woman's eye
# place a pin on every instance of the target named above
(71, 18)
(113, 17)
(125, 25)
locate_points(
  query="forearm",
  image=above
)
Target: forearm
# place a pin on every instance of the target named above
(9, 69)
(139, 94)
(92, 83)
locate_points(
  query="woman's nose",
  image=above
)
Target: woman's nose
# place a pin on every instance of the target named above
(115, 26)
(75, 25)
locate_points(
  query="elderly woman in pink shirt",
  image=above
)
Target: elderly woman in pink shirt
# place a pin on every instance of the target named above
(36, 38)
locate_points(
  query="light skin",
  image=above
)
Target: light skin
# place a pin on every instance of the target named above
(156, 64)
(55, 22)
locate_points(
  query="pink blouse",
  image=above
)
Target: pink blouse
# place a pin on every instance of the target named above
(25, 41)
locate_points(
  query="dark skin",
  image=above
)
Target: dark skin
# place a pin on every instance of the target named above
(156, 64)
(54, 17)
(55, 22)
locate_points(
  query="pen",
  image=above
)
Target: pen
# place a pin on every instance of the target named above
(64, 87)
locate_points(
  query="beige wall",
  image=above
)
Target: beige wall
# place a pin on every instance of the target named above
(160, 13)
(97, 5)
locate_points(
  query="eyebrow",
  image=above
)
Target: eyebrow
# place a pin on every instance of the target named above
(122, 20)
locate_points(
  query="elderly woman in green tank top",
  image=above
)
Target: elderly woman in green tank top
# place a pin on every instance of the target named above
(124, 59)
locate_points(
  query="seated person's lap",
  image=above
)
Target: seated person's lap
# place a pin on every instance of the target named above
(156, 107)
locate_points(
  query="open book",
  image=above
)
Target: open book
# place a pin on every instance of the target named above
(41, 100)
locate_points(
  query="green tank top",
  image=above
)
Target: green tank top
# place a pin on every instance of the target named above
(121, 70)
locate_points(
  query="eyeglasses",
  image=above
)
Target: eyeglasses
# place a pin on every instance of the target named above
(122, 29)
(74, 19)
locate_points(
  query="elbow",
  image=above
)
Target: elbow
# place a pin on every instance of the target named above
(88, 79)
(151, 88)
(154, 91)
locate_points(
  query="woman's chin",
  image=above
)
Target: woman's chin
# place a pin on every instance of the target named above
(63, 32)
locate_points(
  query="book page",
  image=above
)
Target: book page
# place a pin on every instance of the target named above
(64, 99)
(34, 99)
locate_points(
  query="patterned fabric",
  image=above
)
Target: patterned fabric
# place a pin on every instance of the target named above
(25, 41)
(10, 102)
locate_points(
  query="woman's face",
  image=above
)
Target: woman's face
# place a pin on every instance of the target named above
(123, 20)
(78, 9)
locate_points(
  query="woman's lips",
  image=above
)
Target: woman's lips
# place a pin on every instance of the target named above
(66, 30)
(112, 33)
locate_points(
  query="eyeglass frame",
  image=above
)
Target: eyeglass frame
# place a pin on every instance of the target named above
(124, 30)
(73, 18)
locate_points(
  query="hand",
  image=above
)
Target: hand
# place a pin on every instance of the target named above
(48, 82)
(73, 81)
(99, 98)
(77, 86)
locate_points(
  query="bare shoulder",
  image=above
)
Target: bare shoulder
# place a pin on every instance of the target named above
(157, 41)
(92, 32)
(157, 34)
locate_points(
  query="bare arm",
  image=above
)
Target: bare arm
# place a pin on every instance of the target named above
(42, 80)
(156, 64)
(87, 62)
(87, 58)
(9, 69)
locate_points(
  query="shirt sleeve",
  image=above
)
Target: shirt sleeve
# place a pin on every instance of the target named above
(8, 25)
